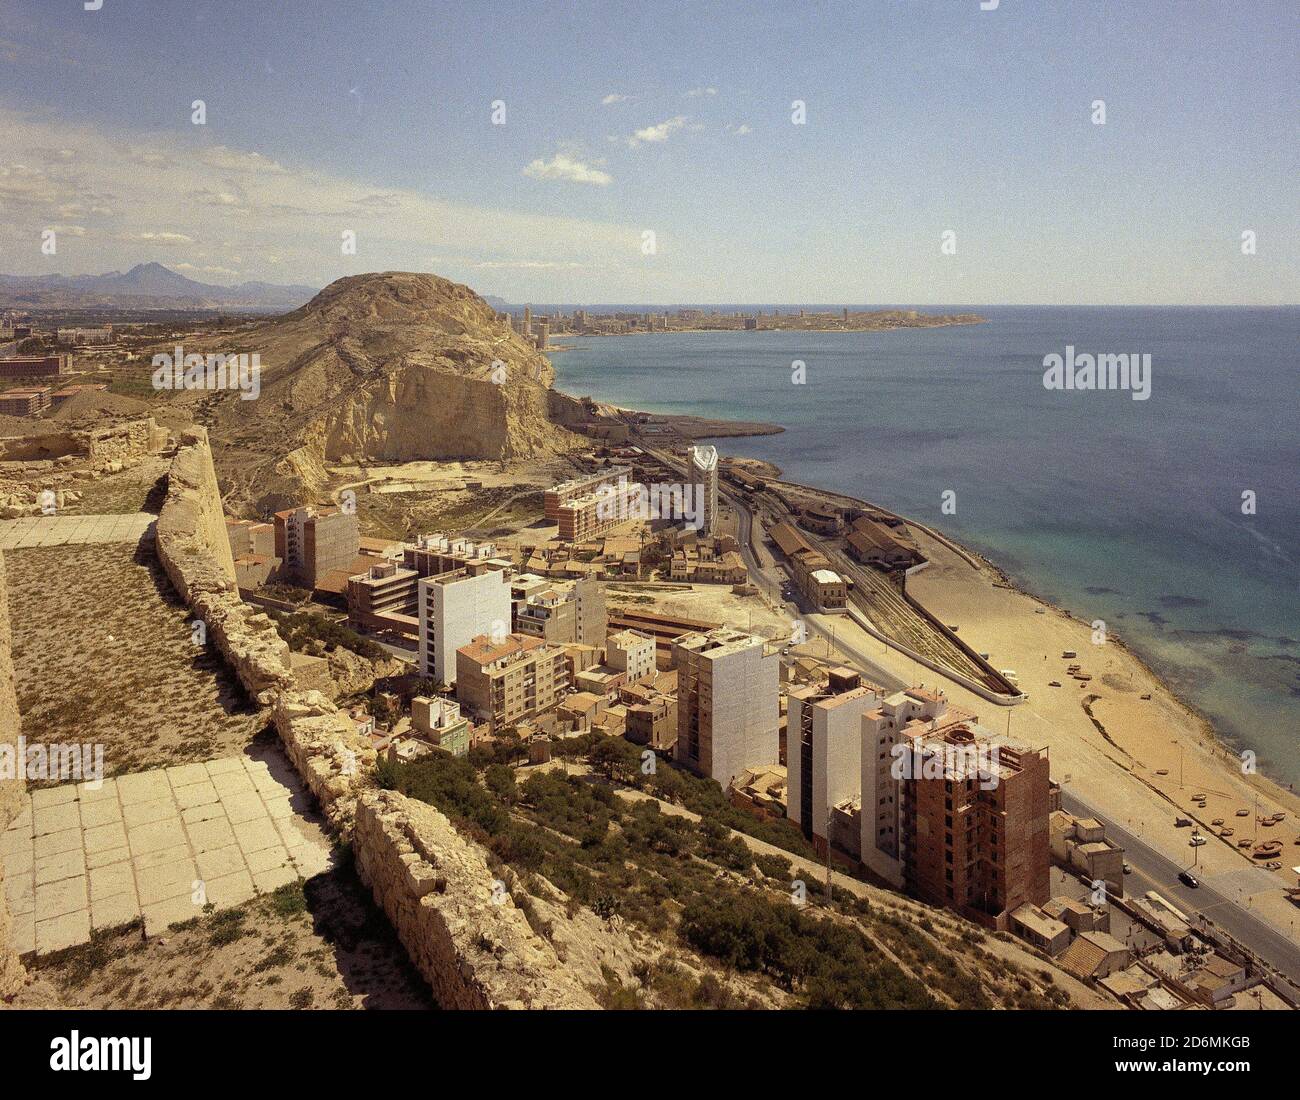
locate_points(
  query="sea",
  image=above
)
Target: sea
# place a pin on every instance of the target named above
(1174, 519)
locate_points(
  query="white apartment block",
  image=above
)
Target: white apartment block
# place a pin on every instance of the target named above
(823, 749)
(883, 727)
(454, 609)
(632, 653)
(727, 705)
(703, 464)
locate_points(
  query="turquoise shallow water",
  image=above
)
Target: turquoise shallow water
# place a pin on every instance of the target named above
(1123, 510)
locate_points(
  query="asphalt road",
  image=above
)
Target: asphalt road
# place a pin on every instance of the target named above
(1154, 871)
(1151, 869)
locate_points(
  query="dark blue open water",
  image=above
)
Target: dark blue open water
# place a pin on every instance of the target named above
(1122, 510)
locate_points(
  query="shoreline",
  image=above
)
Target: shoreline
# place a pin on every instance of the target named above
(1116, 735)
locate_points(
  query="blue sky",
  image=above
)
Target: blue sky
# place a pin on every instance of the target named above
(922, 117)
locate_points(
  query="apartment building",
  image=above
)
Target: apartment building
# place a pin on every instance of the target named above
(35, 366)
(310, 541)
(702, 463)
(897, 715)
(975, 833)
(84, 337)
(564, 614)
(434, 554)
(558, 495)
(25, 401)
(590, 516)
(633, 654)
(385, 597)
(453, 609)
(823, 754)
(727, 706)
(510, 680)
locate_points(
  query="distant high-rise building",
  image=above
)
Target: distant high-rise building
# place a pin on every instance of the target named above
(727, 707)
(704, 473)
(543, 333)
(528, 320)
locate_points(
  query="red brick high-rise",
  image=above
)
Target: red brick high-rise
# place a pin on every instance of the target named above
(974, 826)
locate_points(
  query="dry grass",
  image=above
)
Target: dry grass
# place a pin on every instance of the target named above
(319, 944)
(139, 489)
(103, 654)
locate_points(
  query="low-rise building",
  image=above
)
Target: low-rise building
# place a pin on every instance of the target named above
(810, 570)
(873, 544)
(653, 723)
(632, 652)
(1036, 926)
(1081, 844)
(439, 722)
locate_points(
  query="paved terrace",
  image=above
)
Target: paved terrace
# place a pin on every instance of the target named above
(157, 845)
(20, 534)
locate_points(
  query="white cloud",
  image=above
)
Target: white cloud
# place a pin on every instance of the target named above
(695, 93)
(743, 128)
(614, 97)
(659, 132)
(207, 269)
(282, 218)
(150, 237)
(528, 265)
(562, 166)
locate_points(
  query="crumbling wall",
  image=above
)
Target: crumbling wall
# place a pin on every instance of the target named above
(11, 788)
(195, 553)
(466, 936)
(459, 924)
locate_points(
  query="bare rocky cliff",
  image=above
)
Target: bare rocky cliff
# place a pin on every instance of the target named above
(385, 367)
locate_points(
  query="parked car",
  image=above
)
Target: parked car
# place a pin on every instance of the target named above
(1197, 840)
(1188, 879)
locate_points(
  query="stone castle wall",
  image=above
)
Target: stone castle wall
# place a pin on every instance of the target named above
(461, 929)
(11, 789)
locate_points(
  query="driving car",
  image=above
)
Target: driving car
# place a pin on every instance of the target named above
(1188, 879)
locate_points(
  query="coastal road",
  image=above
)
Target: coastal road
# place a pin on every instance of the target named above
(1154, 871)
(1214, 900)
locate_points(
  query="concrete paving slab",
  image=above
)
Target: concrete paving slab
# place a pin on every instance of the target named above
(85, 856)
(220, 862)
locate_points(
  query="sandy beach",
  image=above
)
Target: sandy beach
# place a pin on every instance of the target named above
(1144, 762)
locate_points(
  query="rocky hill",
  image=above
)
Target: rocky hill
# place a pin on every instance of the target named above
(383, 367)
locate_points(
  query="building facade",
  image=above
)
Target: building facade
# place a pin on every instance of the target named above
(453, 609)
(703, 465)
(511, 680)
(727, 705)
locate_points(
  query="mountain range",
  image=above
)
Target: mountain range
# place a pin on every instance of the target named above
(145, 286)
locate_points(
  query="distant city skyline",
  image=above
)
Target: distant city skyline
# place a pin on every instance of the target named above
(529, 153)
